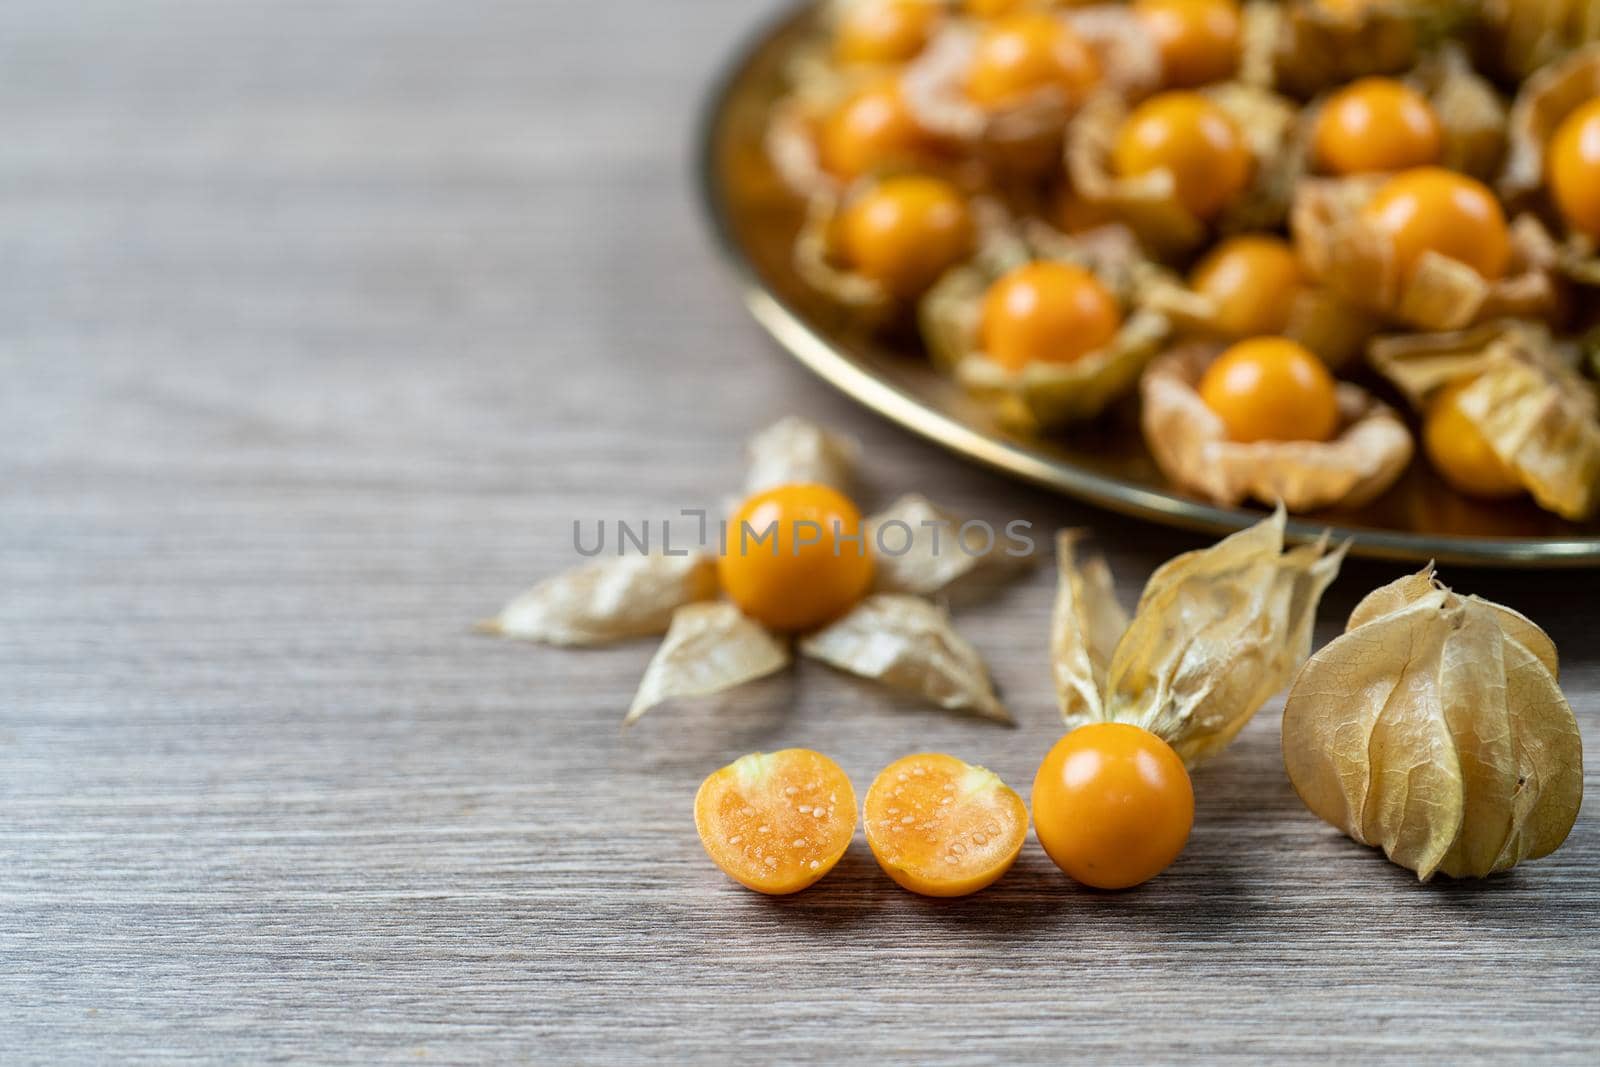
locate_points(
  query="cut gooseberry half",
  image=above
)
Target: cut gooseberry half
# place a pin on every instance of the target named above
(776, 822)
(941, 827)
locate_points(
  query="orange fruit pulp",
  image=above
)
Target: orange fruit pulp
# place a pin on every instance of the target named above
(776, 822)
(941, 827)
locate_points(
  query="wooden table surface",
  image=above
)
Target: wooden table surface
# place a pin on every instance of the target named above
(321, 322)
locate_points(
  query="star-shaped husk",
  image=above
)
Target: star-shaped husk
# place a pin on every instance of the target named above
(1341, 250)
(1525, 35)
(894, 635)
(1023, 140)
(1042, 395)
(1544, 102)
(1435, 729)
(1216, 633)
(1148, 204)
(1527, 402)
(1302, 47)
(1192, 448)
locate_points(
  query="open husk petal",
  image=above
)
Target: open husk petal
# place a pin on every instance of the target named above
(1343, 252)
(922, 549)
(1543, 103)
(1302, 47)
(1528, 34)
(1042, 396)
(909, 644)
(1024, 139)
(1435, 729)
(1085, 627)
(608, 600)
(1216, 633)
(1191, 445)
(1319, 318)
(796, 450)
(1148, 204)
(709, 648)
(1472, 116)
(1534, 411)
(866, 299)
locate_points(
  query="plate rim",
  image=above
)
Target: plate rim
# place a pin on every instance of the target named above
(813, 350)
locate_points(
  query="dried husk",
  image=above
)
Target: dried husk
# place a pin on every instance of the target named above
(709, 648)
(1472, 117)
(909, 644)
(1148, 204)
(794, 450)
(942, 550)
(1525, 35)
(1302, 48)
(1543, 104)
(1024, 139)
(1531, 407)
(815, 262)
(1343, 252)
(1217, 632)
(1041, 396)
(1320, 319)
(1435, 729)
(1191, 446)
(608, 600)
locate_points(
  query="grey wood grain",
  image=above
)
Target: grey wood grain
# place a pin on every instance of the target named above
(320, 323)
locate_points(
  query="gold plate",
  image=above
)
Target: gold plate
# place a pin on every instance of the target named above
(754, 218)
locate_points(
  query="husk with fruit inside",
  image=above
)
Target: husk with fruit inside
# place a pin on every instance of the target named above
(1526, 35)
(1472, 117)
(909, 644)
(1148, 204)
(1042, 395)
(1342, 251)
(1434, 728)
(1216, 633)
(1543, 103)
(1303, 47)
(894, 635)
(1191, 446)
(1532, 408)
(1320, 319)
(1023, 138)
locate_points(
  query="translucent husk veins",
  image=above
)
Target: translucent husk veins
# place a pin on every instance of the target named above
(1434, 728)
(1525, 399)
(1216, 633)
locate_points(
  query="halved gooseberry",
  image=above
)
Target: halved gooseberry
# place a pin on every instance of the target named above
(941, 827)
(776, 822)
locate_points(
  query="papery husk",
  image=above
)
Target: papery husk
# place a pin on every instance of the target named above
(793, 451)
(1042, 396)
(709, 648)
(1303, 48)
(1191, 446)
(1340, 250)
(608, 600)
(1435, 729)
(1525, 35)
(867, 299)
(1324, 322)
(1023, 140)
(1533, 410)
(909, 644)
(920, 548)
(1472, 117)
(1085, 627)
(1148, 204)
(1217, 632)
(791, 142)
(1544, 102)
